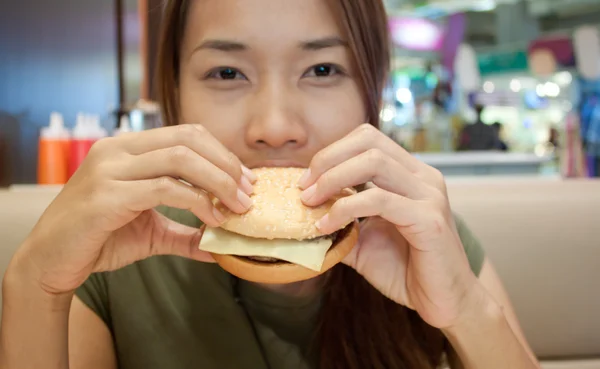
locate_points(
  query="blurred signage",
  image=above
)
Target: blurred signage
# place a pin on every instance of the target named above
(561, 48)
(454, 36)
(416, 33)
(501, 62)
(497, 98)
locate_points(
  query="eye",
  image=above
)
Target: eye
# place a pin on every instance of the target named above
(324, 70)
(225, 73)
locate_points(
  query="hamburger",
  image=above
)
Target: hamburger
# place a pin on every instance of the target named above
(277, 240)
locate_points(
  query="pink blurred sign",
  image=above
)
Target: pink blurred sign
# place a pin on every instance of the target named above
(560, 46)
(416, 33)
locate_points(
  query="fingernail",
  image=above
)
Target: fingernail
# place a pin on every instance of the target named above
(304, 179)
(249, 174)
(246, 186)
(218, 216)
(322, 223)
(309, 193)
(244, 200)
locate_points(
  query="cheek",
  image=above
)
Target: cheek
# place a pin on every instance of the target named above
(223, 116)
(335, 115)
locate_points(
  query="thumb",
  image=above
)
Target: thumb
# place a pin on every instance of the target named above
(369, 232)
(180, 240)
(351, 259)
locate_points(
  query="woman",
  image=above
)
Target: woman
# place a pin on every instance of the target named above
(271, 83)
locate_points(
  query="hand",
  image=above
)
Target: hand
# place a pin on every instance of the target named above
(408, 248)
(104, 219)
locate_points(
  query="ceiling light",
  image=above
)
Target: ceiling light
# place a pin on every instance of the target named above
(551, 89)
(515, 85)
(563, 78)
(540, 90)
(404, 95)
(488, 87)
(484, 6)
(387, 114)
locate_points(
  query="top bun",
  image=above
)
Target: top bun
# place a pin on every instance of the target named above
(278, 211)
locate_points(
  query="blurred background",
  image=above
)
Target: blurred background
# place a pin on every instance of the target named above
(503, 96)
(478, 87)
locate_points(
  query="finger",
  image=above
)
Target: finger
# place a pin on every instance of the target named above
(150, 193)
(356, 143)
(180, 240)
(193, 136)
(370, 166)
(249, 174)
(374, 235)
(392, 207)
(182, 163)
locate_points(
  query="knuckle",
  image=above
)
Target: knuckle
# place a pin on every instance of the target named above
(162, 186)
(340, 207)
(226, 184)
(325, 181)
(234, 166)
(438, 179)
(318, 160)
(97, 172)
(376, 159)
(365, 128)
(437, 175)
(187, 133)
(201, 199)
(382, 198)
(367, 131)
(100, 148)
(178, 155)
(437, 223)
(343, 203)
(198, 129)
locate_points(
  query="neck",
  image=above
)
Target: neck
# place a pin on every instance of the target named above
(297, 289)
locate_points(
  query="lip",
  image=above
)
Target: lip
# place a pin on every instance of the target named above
(277, 164)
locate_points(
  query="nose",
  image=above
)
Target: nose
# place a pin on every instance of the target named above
(275, 120)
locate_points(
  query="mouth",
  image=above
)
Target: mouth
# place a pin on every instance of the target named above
(277, 164)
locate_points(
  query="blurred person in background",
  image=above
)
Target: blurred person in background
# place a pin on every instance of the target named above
(108, 279)
(554, 138)
(478, 136)
(502, 146)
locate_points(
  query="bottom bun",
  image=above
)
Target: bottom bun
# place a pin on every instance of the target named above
(283, 272)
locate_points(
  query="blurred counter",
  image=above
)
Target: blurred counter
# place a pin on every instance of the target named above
(463, 166)
(486, 163)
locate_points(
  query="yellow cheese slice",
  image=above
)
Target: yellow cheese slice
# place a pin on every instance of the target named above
(309, 254)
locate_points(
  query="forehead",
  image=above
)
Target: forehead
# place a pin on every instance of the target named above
(261, 21)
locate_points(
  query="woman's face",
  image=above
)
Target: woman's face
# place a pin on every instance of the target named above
(273, 80)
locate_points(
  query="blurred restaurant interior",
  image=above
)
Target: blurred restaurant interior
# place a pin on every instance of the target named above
(524, 63)
(503, 96)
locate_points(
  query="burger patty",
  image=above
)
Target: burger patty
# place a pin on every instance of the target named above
(264, 259)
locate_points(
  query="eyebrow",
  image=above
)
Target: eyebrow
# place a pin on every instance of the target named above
(222, 45)
(323, 43)
(234, 46)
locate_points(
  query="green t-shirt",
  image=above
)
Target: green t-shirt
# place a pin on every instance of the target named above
(171, 312)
